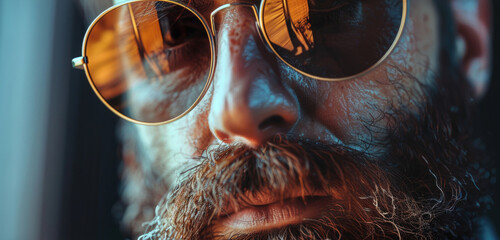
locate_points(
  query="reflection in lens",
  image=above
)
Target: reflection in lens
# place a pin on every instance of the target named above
(332, 39)
(149, 60)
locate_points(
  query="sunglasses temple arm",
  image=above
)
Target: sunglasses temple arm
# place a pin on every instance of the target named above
(79, 62)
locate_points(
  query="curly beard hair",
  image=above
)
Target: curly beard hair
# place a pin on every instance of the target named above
(432, 183)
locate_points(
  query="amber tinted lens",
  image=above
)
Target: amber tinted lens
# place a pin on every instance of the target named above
(149, 60)
(332, 38)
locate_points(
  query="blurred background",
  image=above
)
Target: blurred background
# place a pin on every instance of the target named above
(59, 156)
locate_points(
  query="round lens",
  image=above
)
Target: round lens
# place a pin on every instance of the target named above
(149, 60)
(332, 39)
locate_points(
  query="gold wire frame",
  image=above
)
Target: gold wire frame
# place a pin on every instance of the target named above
(394, 43)
(81, 62)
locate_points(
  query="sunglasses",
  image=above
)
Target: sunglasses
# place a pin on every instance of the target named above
(152, 61)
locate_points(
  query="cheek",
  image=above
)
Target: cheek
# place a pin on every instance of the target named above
(354, 110)
(166, 149)
(351, 105)
(418, 50)
(170, 148)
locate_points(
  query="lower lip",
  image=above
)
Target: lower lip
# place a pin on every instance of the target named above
(275, 215)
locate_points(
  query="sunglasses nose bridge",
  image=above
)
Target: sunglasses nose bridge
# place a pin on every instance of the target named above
(255, 12)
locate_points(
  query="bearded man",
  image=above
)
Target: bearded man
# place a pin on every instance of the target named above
(297, 119)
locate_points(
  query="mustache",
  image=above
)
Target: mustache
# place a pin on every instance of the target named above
(429, 185)
(232, 173)
(360, 188)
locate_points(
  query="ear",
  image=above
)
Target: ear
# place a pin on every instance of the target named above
(473, 41)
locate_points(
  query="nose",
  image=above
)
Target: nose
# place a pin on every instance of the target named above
(250, 103)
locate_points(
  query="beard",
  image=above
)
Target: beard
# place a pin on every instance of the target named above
(430, 182)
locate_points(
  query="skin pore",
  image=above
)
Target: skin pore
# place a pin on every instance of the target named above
(327, 111)
(255, 97)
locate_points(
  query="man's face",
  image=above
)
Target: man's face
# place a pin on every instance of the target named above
(269, 152)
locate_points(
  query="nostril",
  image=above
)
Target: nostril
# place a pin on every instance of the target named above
(222, 136)
(273, 121)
